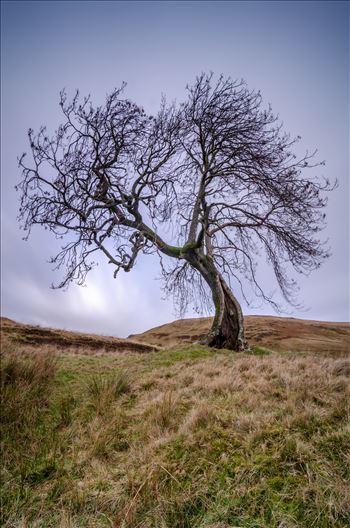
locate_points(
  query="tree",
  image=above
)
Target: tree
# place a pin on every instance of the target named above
(217, 171)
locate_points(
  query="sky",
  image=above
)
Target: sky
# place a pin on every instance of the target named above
(296, 53)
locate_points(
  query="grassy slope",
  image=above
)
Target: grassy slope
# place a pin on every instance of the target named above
(184, 437)
(25, 334)
(277, 333)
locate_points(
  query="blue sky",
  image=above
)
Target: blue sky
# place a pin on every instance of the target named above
(296, 53)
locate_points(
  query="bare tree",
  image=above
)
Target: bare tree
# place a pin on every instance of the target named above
(217, 172)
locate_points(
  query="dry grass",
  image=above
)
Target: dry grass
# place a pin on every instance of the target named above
(276, 333)
(187, 437)
(23, 334)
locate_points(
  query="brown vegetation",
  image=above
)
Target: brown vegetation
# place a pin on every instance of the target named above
(25, 334)
(276, 333)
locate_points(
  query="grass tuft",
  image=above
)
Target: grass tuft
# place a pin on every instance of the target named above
(104, 391)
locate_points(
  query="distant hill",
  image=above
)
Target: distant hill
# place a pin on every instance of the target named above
(37, 336)
(277, 333)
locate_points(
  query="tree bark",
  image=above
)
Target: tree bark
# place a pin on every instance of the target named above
(227, 330)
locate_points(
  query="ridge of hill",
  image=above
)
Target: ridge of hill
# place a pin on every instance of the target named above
(278, 333)
(26, 334)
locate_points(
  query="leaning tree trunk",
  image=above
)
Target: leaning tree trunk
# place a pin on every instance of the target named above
(227, 330)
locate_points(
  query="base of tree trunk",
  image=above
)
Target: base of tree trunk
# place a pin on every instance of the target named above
(220, 340)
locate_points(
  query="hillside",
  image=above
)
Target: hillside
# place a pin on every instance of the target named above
(97, 433)
(25, 334)
(276, 333)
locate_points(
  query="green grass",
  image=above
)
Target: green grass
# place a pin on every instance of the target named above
(189, 354)
(259, 351)
(186, 437)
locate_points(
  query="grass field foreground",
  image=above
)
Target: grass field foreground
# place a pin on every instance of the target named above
(184, 437)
